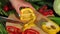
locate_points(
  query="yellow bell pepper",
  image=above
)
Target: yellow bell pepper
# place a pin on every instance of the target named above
(50, 28)
(28, 26)
(27, 14)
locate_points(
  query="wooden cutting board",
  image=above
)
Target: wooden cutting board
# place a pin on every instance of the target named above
(12, 16)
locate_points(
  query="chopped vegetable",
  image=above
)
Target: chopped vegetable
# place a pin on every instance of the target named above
(30, 31)
(50, 28)
(13, 30)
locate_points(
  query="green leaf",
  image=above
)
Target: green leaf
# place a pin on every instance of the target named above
(0, 3)
(2, 29)
(35, 6)
(55, 19)
(3, 2)
(33, 0)
(4, 13)
(1, 12)
(11, 12)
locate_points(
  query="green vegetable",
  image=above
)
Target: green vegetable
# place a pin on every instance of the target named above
(55, 19)
(3, 2)
(2, 29)
(33, 0)
(56, 6)
(35, 6)
(2, 12)
(42, 2)
(45, 3)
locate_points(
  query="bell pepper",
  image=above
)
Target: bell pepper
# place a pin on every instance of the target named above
(50, 28)
(28, 25)
(13, 30)
(30, 31)
(27, 15)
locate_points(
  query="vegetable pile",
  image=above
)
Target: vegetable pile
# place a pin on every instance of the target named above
(48, 8)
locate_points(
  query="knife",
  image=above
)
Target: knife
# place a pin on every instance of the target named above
(10, 20)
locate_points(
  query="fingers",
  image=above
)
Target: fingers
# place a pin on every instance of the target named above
(18, 11)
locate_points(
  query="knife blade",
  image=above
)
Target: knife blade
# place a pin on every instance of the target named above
(10, 20)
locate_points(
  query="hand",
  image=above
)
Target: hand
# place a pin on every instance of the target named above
(20, 3)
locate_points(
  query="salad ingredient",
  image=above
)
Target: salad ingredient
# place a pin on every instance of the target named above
(6, 8)
(50, 27)
(2, 29)
(56, 6)
(30, 31)
(13, 30)
(27, 14)
(45, 11)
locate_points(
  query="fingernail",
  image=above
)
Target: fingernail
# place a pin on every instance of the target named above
(19, 15)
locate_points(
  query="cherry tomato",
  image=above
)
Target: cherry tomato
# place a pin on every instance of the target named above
(50, 11)
(44, 7)
(30, 31)
(6, 8)
(13, 30)
(45, 13)
(41, 11)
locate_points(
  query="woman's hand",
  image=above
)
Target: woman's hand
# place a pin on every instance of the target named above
(20, 3)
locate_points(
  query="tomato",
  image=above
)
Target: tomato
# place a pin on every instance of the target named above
(50, 11)
(45, 11)
(13, 30)
(6, 8)
(30, 31)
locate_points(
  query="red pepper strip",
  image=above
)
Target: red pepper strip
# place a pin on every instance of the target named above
(13, 30)
(30, 31)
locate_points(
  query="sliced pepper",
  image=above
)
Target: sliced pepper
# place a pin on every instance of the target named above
(27, 14)
(13, 30)
(50, 27)
(30, 31)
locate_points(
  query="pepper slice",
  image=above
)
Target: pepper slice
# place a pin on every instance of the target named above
(27, 14)
(13, 30)
(30, 31)
(50, 27)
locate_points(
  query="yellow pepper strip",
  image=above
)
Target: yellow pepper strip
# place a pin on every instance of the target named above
(27, 14)
(28, 25)
(50, 27)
